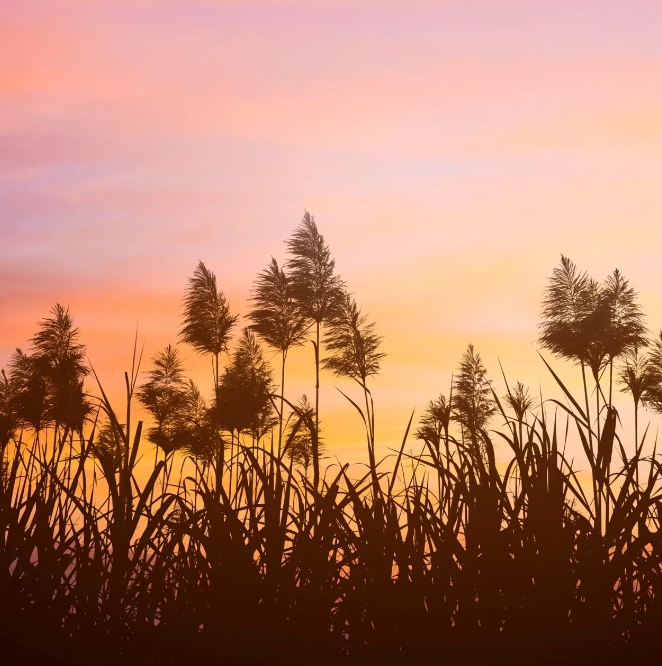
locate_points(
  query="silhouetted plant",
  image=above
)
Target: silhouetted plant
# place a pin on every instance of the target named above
(625, 332)
(519, 400)
(473, 405)
(352, 344)
(56, 343)
(639, 378)
(613, 329)
(499, 563)
(31, 397)
(165, 397)
(317, 291)
(278, 320)
(569, 303)
(653, 394)
(198, 424)
(433, 429)
(590, 324)
(435, 422)
(354, 352)
(59, 356)
(300, 436)
(8, 419)
(108, 447)
(207, 327)
(244, 392)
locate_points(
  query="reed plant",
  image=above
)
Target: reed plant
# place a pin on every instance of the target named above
(475, 539)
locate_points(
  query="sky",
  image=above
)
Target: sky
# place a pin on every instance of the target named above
(449, 151)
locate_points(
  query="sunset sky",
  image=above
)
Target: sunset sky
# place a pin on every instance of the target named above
(449, 151)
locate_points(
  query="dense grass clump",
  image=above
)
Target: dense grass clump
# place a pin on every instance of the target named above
(238, 546)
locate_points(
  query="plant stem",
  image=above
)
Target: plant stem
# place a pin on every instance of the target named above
(316, 462)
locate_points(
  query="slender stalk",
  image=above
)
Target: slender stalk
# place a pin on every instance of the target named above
(636, 440)
(316, 463)
(371, 441)
(588, 416)
(220, 461)
(282, 404)
(597, 407)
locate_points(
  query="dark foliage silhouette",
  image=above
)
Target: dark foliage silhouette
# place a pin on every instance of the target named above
(245, 390)
(473, 406)
(278, 320)
(317, 291)
(482, 542)
(165, 397)
(207, 327)
(300, 434)
(354, 353)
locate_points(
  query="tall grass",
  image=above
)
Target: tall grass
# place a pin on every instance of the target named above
(436, 552)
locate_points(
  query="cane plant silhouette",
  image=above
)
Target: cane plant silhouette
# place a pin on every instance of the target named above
(8, 418)
(165, 397)
(29, 391)
(278, 320)
(625, 331)
(567, 324)
(435, 423)
(245, 390)
(480, 541)
(354, 346)
(654, 365)
(473, 406)
(317, 291)
(300, 435)
(108, 448)
(207, 328)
